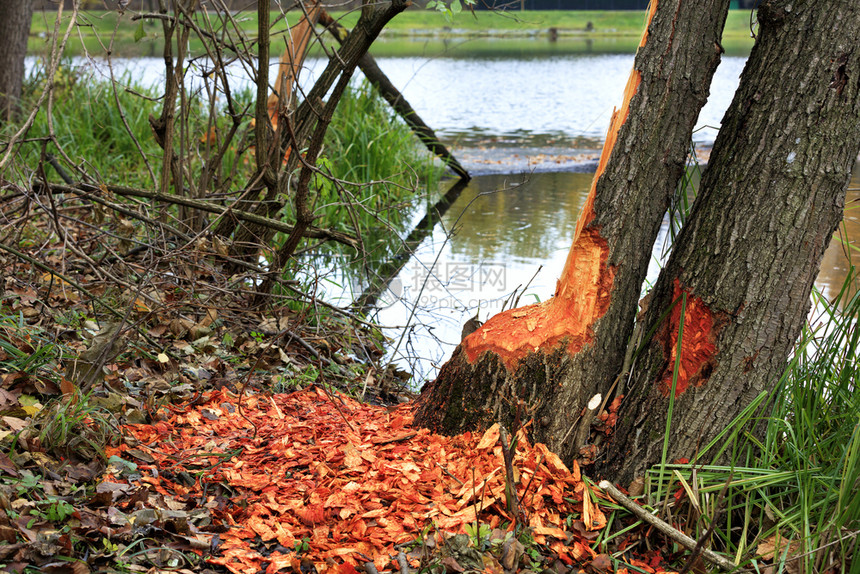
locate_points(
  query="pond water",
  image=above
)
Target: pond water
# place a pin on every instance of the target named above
(533, 101)
(508, 231)
(529, 124)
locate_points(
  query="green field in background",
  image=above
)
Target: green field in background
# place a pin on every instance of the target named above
(412, 33)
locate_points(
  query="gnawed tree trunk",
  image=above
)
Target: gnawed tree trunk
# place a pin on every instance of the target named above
(546, 361)
(15, 19)
(744, 263)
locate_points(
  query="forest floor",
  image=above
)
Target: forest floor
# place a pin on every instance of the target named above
(196, 433)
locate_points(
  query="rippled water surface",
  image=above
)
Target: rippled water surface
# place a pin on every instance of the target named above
(530, 125)
(507, 231)
(551, 98)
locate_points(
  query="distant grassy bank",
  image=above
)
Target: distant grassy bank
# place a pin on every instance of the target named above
(409, 33)
(573, 22)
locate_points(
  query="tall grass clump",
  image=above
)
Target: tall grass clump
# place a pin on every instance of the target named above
(369, 145)
(814, 431)
(25, 350)
(790, 464)
(371, 142)
(89, 125)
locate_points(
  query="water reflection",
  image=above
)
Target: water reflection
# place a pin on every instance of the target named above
(518, 218)
(503, 232)
(844, 249)
(508, 231)
(503, 112)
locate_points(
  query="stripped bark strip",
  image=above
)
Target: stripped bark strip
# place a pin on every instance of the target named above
(290, 64)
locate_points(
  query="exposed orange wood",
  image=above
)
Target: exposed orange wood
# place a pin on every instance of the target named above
(514, 334)
(698, 343)
(652, 8)
(583, 290)
(291, 61)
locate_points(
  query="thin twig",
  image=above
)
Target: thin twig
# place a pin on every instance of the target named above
(703, 539)
(77, 286)
(313, 232)
(330, 398)
(510, 487)
(665, 528)
(401, 562)
(446, 471)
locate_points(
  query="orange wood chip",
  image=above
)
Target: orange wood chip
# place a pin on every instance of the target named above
(352, 496)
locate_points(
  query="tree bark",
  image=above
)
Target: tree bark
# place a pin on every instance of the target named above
(15, 19)
(546, 361)
(745, 261)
